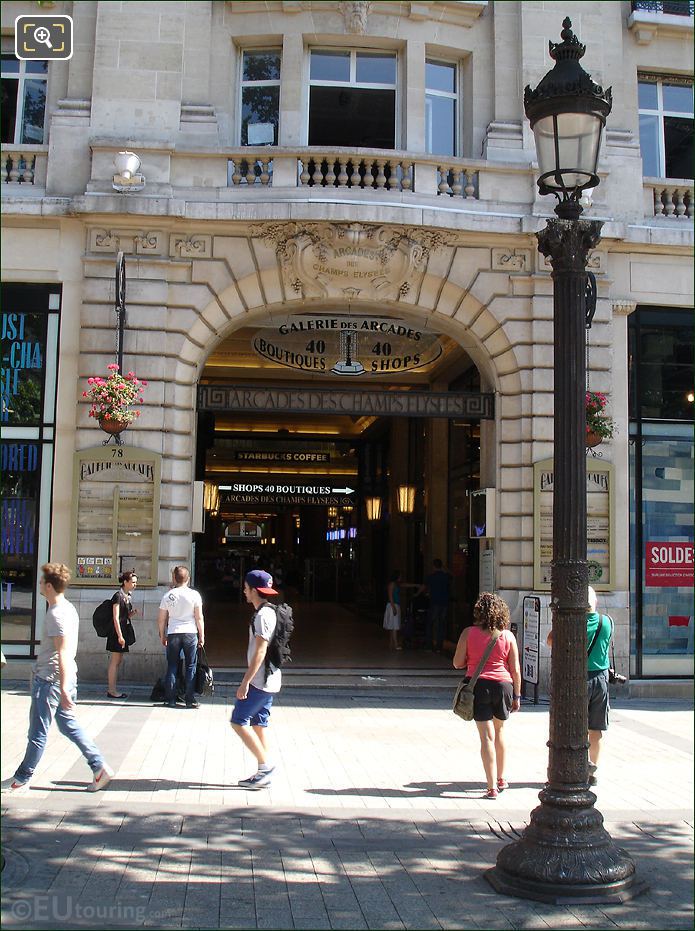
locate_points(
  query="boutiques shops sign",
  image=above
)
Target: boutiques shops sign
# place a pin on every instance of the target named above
(345, 345)
(600, 524)
(283, 492)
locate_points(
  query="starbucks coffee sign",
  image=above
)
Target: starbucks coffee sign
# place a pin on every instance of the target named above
(347, 345)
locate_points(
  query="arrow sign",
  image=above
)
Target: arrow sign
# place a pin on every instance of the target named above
(344, 491)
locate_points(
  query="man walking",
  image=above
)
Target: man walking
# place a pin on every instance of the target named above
(261, 681)
(599, 631)
(181, 630)
(54, 686)
(438, 586)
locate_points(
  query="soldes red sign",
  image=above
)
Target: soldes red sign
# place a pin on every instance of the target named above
(669, 565)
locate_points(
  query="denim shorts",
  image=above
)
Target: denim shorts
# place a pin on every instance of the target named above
(254, 709)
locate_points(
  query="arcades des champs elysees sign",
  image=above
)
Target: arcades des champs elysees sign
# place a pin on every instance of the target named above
(347, 345)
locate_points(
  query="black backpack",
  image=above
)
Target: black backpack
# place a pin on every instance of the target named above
(103, 618)
(279, 652)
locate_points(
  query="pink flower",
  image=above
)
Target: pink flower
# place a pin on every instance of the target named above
(143, 382)
(113, 367)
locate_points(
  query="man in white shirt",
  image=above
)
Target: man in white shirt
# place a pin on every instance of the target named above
(255, 694)
(54, 686)
(181, 629)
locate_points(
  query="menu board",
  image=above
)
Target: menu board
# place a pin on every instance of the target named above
(116, 516)
(599, 521)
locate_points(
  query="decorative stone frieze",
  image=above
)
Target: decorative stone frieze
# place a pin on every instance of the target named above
(511, 260)
(196, 246)
(623, 308)
(352, 259)
(596, 262)
(131, 242)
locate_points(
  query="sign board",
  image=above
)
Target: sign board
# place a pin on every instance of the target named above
(346, 345)
(267, 455)
(252, 399)
(486, 572)
(668, 565)
(115, 514)
(532, 629)
(283, 492)
(600, 504)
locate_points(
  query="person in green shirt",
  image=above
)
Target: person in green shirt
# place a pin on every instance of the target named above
(599, 631)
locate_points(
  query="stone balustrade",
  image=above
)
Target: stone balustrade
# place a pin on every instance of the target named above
(672, 198)
(24, 164)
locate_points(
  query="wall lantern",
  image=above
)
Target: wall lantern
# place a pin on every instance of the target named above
(127, 177)
(373, 505)
(211, 498)
(406, 498)
(567, 112)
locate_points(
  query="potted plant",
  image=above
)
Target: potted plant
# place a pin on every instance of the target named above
(112, 399)
(599, 426)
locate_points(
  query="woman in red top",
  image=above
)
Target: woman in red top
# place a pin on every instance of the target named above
(498, 689)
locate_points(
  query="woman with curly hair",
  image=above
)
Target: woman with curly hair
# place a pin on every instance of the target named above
(498, 690)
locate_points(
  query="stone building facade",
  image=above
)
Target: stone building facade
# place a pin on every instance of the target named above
(219, 235)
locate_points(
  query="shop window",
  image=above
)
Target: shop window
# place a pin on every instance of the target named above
(30, 323)
(23, 100)
(441, 108)
(661, 364)
(260, 96)
(352, 98)
(666, 126)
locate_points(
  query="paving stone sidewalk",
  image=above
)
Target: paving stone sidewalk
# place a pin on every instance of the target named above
(376, 819)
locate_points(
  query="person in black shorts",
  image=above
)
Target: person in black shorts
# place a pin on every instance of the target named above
(497, 692)
(116, 645)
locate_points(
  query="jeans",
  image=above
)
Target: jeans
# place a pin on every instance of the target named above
(436, 623)
(45, 705)
(176, 643)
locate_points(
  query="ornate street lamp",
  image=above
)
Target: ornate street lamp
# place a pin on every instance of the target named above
(406, 499)
(565, 855)
(373, 505)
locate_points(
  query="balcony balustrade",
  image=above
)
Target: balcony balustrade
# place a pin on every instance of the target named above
(668, 7)
(24, 165)
(672, 198)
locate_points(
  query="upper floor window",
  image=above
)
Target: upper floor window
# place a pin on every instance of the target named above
(441, 108)
(260, 96)
(23, 100)
(352, 98)
(666, 126)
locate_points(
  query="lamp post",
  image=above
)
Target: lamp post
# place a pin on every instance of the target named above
(565, 855)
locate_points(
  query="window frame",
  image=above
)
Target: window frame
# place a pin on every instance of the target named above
(21, 77)
(660, 112)
(447, 95)
(275, 82)
(354, 84)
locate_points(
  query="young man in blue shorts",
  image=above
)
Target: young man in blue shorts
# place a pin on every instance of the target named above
(255, 694)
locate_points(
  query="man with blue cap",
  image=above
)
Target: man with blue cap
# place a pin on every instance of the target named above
(255, 694)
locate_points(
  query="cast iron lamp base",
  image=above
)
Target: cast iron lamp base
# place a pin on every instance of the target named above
(565, 856)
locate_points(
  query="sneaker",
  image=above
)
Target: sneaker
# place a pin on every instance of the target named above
(192, 704)
(259, 780)
(169, 704)
(502, 784)
(592, 773)
(491, 794)
(120, 695)
(14, 787)
(101, 779)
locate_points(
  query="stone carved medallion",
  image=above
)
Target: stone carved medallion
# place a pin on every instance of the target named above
(355, 15)
(351, 260)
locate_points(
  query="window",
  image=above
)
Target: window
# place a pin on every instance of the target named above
(661, 364)
(352, 98)
(23, 100)
(441, 108)
(666, 126)
(260, 97)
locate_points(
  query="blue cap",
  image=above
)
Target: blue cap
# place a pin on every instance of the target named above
(261, 581)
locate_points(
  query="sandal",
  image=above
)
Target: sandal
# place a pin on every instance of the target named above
(491, 794)
(502, 784)
(120, 695)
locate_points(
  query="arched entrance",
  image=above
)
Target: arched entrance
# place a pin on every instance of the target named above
(338, 444)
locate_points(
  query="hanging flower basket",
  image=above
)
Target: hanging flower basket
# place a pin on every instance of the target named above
(599, 426)
(114, 427)
(112, 400)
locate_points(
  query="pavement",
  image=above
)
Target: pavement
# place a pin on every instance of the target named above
(375, 818)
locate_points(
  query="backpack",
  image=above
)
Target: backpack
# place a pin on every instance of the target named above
(278, 652)
(103, 618)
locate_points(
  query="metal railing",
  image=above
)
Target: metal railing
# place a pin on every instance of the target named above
(671, 7)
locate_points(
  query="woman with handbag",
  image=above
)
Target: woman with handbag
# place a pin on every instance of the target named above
(122, 636)
(490, 645)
